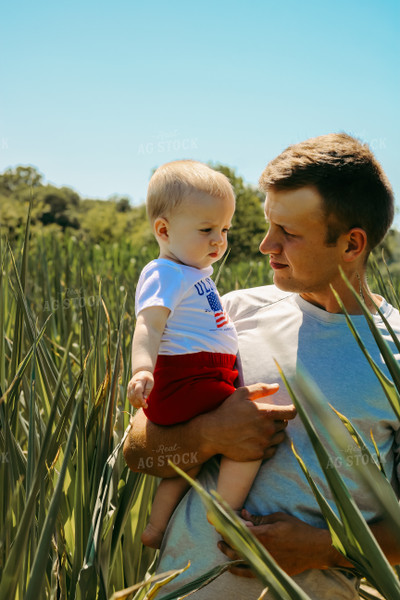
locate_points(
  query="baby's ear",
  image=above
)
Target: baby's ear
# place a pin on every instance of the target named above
(161, 228)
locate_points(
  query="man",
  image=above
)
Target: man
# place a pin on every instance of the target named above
(328, 204)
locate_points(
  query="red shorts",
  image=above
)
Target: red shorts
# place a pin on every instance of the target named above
(186, 385)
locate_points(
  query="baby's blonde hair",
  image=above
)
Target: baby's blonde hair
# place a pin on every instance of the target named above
(172, 182)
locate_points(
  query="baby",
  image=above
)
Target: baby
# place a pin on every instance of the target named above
(184, 345)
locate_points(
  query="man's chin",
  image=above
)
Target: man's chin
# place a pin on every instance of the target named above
(283, 284)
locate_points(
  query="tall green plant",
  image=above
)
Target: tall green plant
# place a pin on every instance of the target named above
(66, 494)
(351, 534)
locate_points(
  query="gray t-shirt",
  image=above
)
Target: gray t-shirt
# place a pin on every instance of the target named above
(272, 324)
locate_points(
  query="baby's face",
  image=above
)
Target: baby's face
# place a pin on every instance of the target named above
(196, 233)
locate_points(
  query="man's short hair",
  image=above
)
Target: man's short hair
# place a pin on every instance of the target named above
(174, 181)
(353, 186)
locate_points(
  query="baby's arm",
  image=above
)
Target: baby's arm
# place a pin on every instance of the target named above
(150, 325)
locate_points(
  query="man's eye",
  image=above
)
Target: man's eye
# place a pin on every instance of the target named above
(287, 233)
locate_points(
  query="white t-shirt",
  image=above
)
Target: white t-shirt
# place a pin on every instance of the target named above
(273, 324)
(197, 322)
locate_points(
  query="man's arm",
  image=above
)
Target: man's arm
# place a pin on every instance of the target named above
(239, 428)
(297, 546)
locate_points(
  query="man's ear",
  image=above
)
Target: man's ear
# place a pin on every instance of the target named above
(161, 228)
(356, 244)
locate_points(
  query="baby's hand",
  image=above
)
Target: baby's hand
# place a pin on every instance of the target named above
(139, 388)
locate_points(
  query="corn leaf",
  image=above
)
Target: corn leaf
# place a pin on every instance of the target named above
(38, 572)
(391, 391)
(261, 562)
(359, 543)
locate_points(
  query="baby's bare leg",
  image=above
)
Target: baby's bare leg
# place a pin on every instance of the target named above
(235, 480)
(168, 495)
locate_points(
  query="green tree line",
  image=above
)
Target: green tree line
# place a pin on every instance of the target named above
(60, 209)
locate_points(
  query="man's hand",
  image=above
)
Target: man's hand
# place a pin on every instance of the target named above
(244, 428)
(295, 545)
(139, 388)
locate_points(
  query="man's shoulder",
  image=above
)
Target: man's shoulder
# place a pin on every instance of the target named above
(240, 302)
(388, 313)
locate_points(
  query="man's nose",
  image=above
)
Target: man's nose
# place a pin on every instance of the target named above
(270, 245)
(263, 246)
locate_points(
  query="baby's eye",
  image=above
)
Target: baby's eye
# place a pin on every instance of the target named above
(225, 230)
(206, 230)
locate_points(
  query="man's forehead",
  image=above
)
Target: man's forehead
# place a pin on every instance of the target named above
(300, 203)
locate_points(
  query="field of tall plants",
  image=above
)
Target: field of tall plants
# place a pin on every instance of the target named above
(71, 512)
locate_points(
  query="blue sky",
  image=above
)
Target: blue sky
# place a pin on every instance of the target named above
(97, 94)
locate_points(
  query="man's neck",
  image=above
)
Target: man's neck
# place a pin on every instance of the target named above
(327, 301)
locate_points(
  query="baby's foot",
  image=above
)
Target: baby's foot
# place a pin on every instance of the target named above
(243, 521)
(238, 514)
(152, 536)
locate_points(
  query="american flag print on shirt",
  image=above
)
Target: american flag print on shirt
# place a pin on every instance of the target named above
(221, 318)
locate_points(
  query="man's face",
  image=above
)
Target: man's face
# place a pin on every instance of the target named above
(295, 242)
